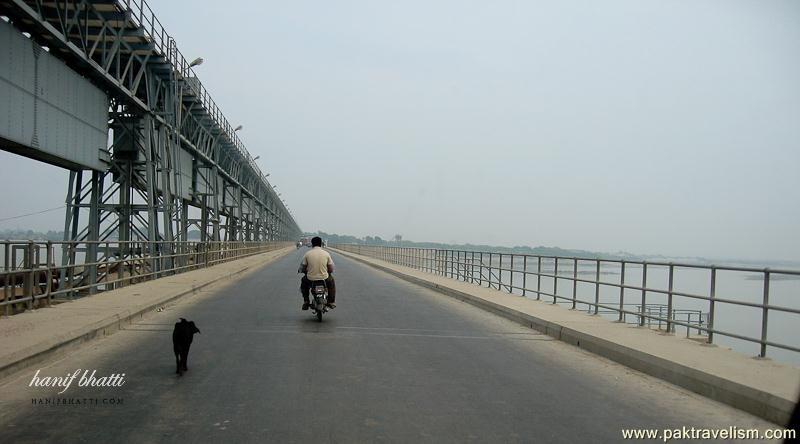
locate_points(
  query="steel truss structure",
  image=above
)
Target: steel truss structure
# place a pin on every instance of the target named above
(174, 161)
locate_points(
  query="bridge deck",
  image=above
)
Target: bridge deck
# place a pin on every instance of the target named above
(394, 362)
(766, 388)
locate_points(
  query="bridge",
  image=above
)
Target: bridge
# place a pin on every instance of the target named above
(100, 88)
(429, 345)
(395, 362)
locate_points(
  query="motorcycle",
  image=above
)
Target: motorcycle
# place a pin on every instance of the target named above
(319, 305)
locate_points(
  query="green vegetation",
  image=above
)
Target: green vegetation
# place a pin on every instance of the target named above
(397, 240)
(20, 234)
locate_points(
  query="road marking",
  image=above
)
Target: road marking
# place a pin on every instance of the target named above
(407, 332)
(374, 331)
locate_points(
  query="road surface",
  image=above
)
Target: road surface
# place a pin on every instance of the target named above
(393, 363)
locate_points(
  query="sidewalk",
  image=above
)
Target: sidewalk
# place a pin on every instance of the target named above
(761, 387)
(34, 336)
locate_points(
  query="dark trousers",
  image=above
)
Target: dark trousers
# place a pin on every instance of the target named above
(305, 288)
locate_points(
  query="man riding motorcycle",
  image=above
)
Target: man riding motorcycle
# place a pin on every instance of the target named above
(317, 265)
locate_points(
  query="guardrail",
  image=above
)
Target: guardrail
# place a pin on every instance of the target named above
(518, 273)
(655, 313)
(29, 273)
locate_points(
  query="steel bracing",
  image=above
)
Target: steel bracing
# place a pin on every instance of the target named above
(174, 163)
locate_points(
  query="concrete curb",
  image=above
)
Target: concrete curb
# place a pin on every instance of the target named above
(754, 401)
(61, 344)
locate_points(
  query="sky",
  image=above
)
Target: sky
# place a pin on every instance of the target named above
(652, 127)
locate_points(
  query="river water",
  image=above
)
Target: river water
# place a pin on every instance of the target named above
(742, 286)
(784, 291)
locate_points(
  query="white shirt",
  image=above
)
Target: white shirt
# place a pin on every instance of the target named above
(316, 262)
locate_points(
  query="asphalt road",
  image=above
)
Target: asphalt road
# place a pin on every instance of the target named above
(392, 363)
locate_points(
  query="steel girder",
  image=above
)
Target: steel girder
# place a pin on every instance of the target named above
(160, 114)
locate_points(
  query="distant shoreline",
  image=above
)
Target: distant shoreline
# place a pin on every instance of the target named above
(53, 235)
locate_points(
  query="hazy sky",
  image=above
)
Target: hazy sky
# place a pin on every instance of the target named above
(647, 126)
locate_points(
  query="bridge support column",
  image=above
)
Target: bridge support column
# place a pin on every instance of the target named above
(93, 237)
(73, 202)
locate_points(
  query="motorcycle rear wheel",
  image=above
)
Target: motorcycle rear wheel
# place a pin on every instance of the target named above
(319, 315)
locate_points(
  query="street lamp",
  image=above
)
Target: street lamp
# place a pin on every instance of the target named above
(256, 158)
(237, 128)
(195, 62)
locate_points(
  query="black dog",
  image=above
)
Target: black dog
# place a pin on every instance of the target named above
(181, 341)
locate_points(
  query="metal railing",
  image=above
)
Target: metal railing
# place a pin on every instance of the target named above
(143, 16)
(523, 274)
(29, 273)
(656, 313)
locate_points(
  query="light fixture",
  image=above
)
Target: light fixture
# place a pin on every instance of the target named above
(237, 128)
(195, 62)
(256, 158)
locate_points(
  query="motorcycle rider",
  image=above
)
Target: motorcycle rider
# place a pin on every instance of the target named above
(317, 265)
